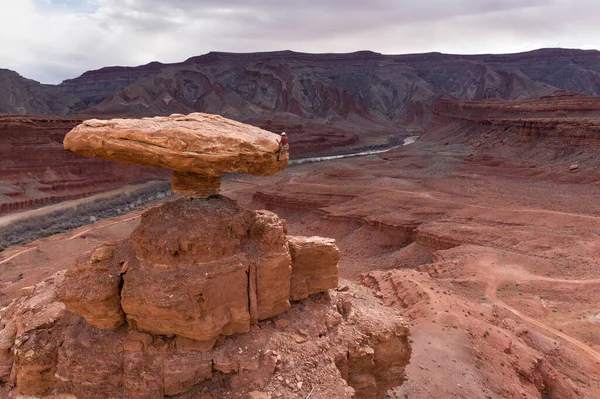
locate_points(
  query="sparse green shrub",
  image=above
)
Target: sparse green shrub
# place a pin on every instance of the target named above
(23, 231)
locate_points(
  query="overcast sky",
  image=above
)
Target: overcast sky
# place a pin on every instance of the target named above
(52, 40)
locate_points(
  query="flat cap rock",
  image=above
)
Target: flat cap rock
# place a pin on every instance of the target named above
(198, 147)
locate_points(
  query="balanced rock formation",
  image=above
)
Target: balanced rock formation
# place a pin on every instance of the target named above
(156, 304)
(141, 318)
(198, 148)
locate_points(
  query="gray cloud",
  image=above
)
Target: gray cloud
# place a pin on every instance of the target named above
(51, 40)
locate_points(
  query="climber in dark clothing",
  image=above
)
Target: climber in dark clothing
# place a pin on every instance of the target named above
(283, 146)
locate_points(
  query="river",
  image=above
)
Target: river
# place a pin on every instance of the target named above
(407, 141)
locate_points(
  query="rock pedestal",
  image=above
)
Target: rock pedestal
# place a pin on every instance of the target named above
(192, 275)
(199, 269)
(193, 185)
(48, 352)
(140, 318)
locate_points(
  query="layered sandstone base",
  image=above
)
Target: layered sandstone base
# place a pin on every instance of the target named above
(199, 269)
(49, 352)
(193, 185)
(148, 317)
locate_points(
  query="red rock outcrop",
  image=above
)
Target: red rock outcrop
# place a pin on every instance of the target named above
(199, 269)
(198, 148)
(231, 247)
(314, 262)
(321, 345)
(99, 278)
(560, 128)
(154, 306)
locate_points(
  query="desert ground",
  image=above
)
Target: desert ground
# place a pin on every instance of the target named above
(494, 264)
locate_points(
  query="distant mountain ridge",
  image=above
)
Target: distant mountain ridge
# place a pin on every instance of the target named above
(19, 95)
(364, 93)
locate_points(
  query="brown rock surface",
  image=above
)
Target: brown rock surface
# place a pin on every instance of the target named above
(198, 269)
(34, 346)
(314, 265)
(59, 354)
(206, 245)
(270, 272)
(558, 130)
(97, 277)
(7, 339)
(199, 148)
(188, 301)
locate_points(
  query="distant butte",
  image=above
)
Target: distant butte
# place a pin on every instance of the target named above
(198, 148)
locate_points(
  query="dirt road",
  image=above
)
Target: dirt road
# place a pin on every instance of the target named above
(6, 219)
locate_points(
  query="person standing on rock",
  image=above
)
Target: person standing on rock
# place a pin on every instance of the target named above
(283, 146)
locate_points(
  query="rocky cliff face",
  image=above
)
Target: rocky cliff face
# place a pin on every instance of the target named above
(94, 86)
(363, 88)
(36, 169)
(572, 70)
(150, 316)
(361, 92)
(562, 129)
(19, 95)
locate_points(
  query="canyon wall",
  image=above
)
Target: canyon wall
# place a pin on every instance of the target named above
(562, 129)
(35, 169)
(339, 101)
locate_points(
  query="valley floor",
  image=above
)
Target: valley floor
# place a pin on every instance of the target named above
(494, 263)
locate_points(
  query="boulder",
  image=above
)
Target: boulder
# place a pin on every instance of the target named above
(314, 265)
(198, 148)
(93, 286)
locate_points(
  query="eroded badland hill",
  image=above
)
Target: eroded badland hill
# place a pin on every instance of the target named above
(482, 235)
